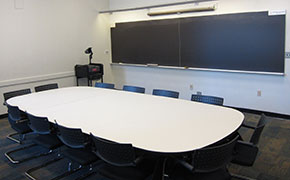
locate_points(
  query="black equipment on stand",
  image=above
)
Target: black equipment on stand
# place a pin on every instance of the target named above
(90, 51)
(91, 71)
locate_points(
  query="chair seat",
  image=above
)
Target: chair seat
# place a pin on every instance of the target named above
(81, 156)
(181, 173)
(48, 141)
(21, 127)
(246, 153)
(140, 172)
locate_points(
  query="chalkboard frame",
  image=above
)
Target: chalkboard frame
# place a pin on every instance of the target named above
(211, 69)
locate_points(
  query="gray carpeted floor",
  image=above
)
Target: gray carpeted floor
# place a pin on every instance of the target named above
(273, 161)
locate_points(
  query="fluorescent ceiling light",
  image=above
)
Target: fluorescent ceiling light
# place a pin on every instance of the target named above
(197, 9)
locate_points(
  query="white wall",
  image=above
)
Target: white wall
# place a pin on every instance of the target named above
(238, 89)
(42, 42)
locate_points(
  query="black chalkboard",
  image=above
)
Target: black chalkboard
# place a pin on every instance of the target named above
(149, 42)
(248, 41)
(243, 42)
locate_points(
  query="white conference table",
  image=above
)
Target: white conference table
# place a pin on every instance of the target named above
(148, 122)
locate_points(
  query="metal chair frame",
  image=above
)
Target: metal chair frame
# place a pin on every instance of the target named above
(115, 154)
(208, 159)
(7, 96)
(43, 129)
(16, 161)
(81, 145)
(19, 140)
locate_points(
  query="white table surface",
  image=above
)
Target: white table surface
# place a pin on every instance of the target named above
(153, 123)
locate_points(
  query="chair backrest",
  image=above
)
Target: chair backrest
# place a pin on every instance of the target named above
(46, 87)
(165, 93)
(114, 153)
(212, 158)
(39, 125)
(12, 94)
(11, 122)
(258, 130)
(105, 85)
(71, 137)
(208, 99)
(134, 89)
(14, 113)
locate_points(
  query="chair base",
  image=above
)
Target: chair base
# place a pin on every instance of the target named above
(29, 171)
(90, 173)
(67, 173)
(15, 161)
(21, 137)
(241, 177)
(10, 137)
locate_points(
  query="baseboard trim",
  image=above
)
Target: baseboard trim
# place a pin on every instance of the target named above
(2, 116)
(33, 79)
(253, 111)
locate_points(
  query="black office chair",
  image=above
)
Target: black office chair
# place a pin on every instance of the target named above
(19, 123)
(105, 85)
(246, 152)
(134, 89)
(16, 117)
(46, 87)
(79, 149)
(208, 99)
(12, 94)
(207, 163)
(121, 162)
(46, 139)
(165, 93)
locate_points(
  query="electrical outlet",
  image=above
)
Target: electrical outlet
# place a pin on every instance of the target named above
(287, 54)
(198, 93)
(259, 93)
(191, 87)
